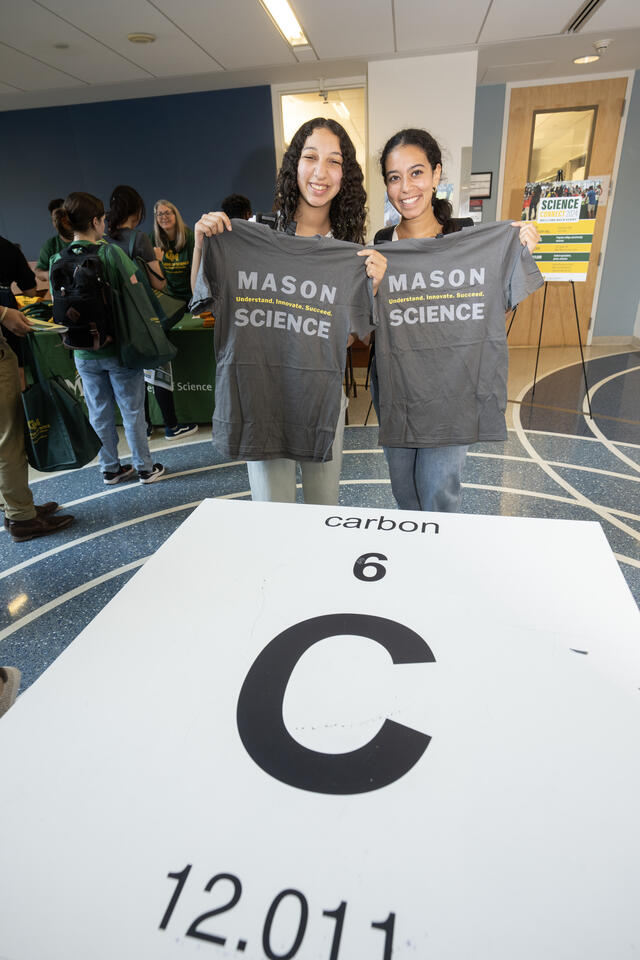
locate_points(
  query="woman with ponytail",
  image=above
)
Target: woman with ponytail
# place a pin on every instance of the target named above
(423, 478)
(126, 213)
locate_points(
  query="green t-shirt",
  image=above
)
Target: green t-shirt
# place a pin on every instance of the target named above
(48, 249)
(118, 268)
(176, 265)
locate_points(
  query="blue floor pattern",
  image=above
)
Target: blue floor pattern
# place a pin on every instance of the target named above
(553, 464)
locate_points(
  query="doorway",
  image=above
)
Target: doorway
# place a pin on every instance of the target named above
(585, 120)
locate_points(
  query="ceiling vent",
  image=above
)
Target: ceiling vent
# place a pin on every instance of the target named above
(584, 13)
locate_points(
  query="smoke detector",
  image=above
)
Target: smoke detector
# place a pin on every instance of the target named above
(601, 46)
(141, 38)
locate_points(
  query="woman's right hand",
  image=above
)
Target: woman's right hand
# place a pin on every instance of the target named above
(209, 224)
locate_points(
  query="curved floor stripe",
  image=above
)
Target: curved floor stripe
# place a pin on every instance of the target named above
(68, 545)
(548, 469)
(65, 597)
(595, 429)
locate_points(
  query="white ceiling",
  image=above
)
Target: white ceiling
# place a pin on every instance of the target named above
(212, 44)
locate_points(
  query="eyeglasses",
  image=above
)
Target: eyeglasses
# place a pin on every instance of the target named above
(165, 214)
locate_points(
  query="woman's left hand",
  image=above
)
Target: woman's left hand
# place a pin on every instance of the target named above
(159, 252)
(375, 265)
(529, 236)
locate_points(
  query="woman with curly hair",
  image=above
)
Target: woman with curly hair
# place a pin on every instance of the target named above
(319, 191)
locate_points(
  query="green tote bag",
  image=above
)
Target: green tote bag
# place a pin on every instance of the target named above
(58, 435)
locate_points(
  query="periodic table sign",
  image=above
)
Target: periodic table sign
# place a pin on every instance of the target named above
(330, 733)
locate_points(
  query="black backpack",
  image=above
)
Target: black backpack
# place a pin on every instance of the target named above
(82, 298)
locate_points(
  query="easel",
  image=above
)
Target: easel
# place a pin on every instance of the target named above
(535, 375)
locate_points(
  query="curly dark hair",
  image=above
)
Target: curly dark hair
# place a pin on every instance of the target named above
(415, 137)
(347, 213)
(123, 202)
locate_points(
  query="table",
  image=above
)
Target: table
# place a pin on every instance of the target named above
(193, 370)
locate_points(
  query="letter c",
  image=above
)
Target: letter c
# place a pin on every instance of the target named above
(391, 753)
(327, 524)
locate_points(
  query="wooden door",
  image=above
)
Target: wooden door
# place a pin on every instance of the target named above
(608, 95)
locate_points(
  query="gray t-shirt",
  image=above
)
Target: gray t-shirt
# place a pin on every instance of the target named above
(284, 308)
(441, 349)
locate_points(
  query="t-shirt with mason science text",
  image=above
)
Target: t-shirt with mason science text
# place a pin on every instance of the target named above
(284, 308)
(441, 349)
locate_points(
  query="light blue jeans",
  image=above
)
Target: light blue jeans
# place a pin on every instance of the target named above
(423, 478)
(106, 383)
(426, 478)
(274, 481)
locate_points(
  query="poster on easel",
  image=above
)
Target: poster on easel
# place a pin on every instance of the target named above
(564, 212)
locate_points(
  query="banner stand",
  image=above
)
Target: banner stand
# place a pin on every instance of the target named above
(535, 375)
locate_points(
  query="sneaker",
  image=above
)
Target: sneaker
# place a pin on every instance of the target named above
(149, 430)
(150, 476)
(124, 472)
(22, 530)
(180, 430)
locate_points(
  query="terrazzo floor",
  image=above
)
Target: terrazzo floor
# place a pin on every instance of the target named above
(556, 463)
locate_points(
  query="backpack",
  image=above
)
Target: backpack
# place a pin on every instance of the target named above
(82, 298)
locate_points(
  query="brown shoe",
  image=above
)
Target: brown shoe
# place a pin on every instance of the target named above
(9, 683)
(42, 510)
(38, 527)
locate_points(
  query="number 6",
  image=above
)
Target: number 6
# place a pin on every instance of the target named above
(366, 560)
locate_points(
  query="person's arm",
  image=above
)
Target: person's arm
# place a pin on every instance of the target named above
(156, 277)
(15, 321)
(207, 226)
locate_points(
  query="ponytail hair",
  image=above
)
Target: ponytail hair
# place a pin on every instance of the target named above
(414, 137)
(77, 213)
(124, 202)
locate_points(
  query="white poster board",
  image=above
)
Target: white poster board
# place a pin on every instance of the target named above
(323, 754)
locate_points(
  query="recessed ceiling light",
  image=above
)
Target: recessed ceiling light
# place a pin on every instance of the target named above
(141, 38)
(286, 22)
(590, 59)
(61, 46)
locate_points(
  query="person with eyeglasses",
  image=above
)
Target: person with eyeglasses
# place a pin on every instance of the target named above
(173, 243)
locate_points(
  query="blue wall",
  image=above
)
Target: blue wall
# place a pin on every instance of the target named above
(620, 285)
(192, 149)
(487, 139)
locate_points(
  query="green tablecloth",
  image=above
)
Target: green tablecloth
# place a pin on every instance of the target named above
(194, 370)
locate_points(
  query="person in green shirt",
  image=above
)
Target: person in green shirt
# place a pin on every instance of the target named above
(105, 381)
(173, 242)
(51, 246)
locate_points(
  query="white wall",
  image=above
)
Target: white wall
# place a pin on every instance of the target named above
(437, 93)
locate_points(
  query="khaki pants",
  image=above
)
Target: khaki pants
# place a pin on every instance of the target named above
(15, 495)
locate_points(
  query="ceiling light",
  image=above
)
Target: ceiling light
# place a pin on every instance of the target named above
(141, 38)
(286, 22)
(590, 59)
(61, 46)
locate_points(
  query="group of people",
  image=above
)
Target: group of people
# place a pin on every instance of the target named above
(319, 194)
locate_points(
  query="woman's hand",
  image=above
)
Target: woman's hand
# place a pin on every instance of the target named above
(159, 252)
(209, 224)
(529, 236)
(375, 265)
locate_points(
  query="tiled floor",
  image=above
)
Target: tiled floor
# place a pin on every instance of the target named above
(555, 463)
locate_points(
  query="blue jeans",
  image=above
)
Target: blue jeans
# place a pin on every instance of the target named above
(105, 382)
(422, 478)
(426, 478)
